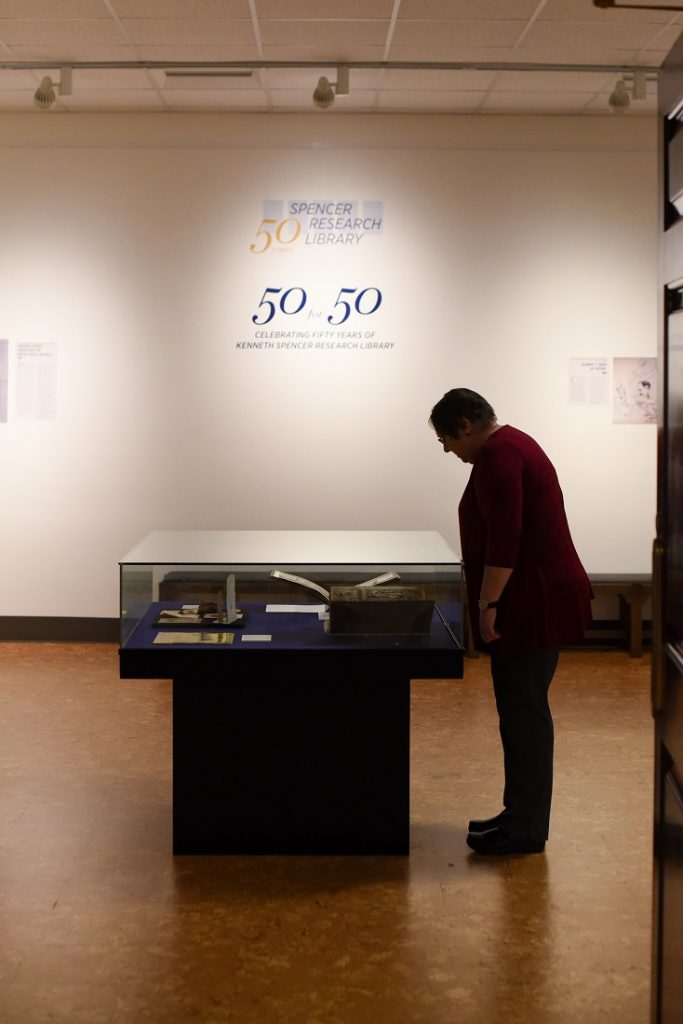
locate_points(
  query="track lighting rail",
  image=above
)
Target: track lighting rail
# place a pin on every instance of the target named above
(155, 65)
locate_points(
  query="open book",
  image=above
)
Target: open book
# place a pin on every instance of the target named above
(325, 594)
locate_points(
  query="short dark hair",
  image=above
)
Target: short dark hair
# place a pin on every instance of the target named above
(457, 405)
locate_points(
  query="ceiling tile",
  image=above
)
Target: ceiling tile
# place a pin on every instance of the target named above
(15, 100)
(112, 101)
(584, 10)
(187, 31)
(188, 9)
(406, 80)
(664, 39)
(541, 81)
(651, 58)
(216, 99)
(119, 79)
(70, 31)
(10, 80)
(579, 55)
(455, 54)
(53, 9)
(574, 35)
(442, 102)
(20, 100)
(344, 34)
(66, 53)
(337, 54)
(313, 10)
(199, 54)
(466, 10)
(533, 102)
(457, 33)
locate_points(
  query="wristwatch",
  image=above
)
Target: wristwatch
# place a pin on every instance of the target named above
(485, 605)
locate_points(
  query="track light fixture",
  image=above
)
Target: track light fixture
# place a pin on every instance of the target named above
(45, 95)
(341, 86)
(639, 85)
(619, 100)
(323, 94)
(200, 74)
(325, 91)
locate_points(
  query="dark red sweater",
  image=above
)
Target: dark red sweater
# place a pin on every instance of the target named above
(512, 514)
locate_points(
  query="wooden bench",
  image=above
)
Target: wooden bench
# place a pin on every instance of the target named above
(633, 591)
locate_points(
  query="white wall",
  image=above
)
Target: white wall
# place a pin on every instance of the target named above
(509, 245)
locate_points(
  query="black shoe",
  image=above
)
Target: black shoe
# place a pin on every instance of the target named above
(495, 840)
(484, 824)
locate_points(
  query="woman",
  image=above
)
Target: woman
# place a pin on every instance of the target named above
(528, 595)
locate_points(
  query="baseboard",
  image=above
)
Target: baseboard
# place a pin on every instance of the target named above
(83, 630)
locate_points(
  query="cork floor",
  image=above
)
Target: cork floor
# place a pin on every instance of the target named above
(99, 924)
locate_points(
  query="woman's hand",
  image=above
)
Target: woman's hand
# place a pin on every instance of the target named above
(487, 626)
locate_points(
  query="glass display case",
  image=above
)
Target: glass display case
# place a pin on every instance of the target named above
(291, 589)
(291, 655)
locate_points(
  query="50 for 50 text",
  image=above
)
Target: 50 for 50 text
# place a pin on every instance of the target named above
(292, 301)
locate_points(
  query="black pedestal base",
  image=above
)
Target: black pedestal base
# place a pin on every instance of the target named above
(299, 765)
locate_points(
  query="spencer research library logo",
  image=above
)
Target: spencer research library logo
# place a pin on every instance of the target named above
(288, 223)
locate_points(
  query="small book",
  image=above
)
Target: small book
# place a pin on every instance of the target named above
(197, 615)
(194, 638)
